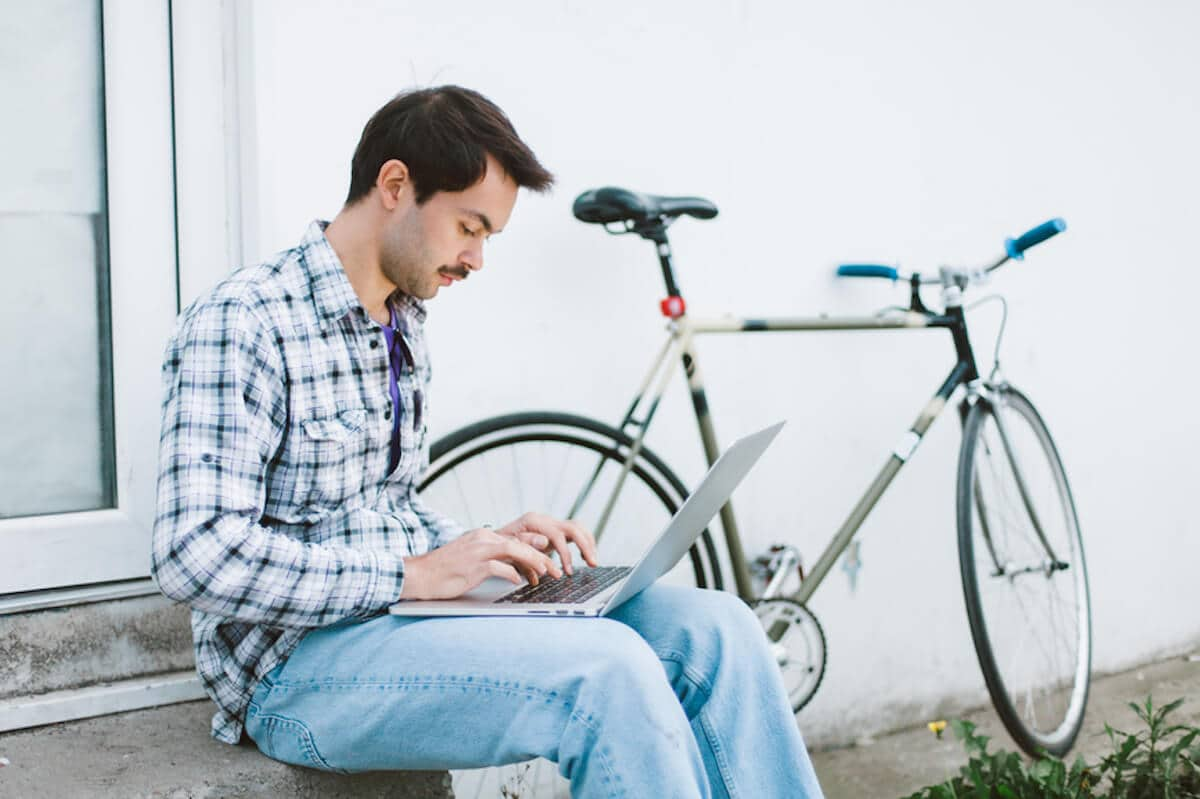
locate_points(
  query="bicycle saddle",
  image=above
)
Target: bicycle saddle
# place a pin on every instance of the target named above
(611, 204)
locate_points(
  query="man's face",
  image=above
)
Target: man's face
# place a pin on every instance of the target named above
(427, 247)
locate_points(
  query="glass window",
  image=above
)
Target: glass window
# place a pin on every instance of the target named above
(56, 441)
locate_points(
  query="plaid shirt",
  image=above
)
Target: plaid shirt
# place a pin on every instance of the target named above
(276, 510)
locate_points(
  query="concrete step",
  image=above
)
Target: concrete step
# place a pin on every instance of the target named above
(71, 647)
(166, 753)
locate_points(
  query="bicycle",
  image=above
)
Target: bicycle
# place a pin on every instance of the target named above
(1020, 548)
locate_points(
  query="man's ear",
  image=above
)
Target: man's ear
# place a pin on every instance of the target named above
(393, 182)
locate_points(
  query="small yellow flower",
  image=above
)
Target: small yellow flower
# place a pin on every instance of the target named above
(937, 728)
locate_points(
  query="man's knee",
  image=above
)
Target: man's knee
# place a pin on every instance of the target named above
(617, 672)
(623, 656)
(721, 616)
(729, 608)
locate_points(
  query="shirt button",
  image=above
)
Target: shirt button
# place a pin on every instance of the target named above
(374, 343)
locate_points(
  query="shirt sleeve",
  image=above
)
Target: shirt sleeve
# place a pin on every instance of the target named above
(224, 416)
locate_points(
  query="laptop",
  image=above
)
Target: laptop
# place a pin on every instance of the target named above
(599, 590)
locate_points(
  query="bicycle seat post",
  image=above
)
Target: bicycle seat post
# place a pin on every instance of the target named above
(673, 306)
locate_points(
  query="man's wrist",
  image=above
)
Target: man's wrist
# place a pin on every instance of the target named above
(411, 587)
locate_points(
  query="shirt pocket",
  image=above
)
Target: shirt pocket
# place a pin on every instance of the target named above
(328, 458)
(337, 428)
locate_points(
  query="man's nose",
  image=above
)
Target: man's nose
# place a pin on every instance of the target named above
(472, 259)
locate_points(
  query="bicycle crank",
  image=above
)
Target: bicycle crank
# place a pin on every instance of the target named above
(798, 643)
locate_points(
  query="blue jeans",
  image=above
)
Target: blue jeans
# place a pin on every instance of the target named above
(673, 695)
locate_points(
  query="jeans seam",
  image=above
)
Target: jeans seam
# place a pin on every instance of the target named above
(710, 734)
(681, 659)
(404, 684)
(714, 741)
(526, 691)
(307, 743)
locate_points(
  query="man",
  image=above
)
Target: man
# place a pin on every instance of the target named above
(287, 518)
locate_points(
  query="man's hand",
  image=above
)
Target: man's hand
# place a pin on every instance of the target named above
(545, 533)
(454, 569)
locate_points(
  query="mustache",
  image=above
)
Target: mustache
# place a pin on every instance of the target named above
(459, 272)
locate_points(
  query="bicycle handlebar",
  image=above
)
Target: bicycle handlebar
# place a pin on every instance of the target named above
(868, 270)
(1013, 248)
(1016, 247)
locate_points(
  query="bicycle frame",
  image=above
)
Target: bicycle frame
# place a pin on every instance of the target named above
(679, 345)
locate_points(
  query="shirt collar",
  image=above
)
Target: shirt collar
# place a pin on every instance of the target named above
(333, 296)
(408, 308)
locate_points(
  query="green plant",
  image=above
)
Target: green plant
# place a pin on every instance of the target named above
(1160, 762)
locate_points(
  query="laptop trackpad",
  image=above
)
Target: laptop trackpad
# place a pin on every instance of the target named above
(490, 590)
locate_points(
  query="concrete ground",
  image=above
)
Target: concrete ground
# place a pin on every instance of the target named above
(902, 763)
(165, 753)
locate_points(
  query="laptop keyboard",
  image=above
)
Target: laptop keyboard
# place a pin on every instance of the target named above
(570, 588)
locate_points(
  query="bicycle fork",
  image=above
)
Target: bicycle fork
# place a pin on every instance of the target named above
(1008, 452)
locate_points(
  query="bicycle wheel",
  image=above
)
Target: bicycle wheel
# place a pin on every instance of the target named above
(1023, 572)
(496, 469)
(492, 471)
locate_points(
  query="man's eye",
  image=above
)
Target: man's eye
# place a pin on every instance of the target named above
(468, 231)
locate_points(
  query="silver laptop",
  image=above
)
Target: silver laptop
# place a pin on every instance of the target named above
(599, 590)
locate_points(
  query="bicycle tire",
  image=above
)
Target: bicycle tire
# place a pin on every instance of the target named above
(569, 430)
(539, 779)
(802, 675)
(1013, 589)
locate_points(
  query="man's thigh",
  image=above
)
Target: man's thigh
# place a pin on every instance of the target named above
(396, 693)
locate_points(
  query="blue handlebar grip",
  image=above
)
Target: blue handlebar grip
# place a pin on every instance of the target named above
(1016, 247)
(867, 270)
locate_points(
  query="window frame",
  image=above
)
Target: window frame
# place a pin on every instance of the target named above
(68, 549)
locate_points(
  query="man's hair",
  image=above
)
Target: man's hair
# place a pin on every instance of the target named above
(443, 135)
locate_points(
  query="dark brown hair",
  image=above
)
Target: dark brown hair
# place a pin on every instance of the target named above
(443, 135)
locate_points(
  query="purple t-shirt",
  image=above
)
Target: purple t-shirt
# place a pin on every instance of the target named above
(397, 356)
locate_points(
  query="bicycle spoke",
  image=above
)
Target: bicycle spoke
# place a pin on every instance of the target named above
(485, 462)
(1048, 659)
(516, 476)
(562, 473)
(586, 490)
(466, 506)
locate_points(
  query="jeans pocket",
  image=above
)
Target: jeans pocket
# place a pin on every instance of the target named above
(288, 741)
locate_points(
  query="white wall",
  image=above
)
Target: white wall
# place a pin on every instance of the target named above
(919, 134)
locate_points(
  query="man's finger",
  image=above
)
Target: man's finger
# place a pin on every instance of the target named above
(557, 533)
(529, 557)
(546, 527)
(564, 553)
(584, 540)
(499, 568)
(535, 540)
